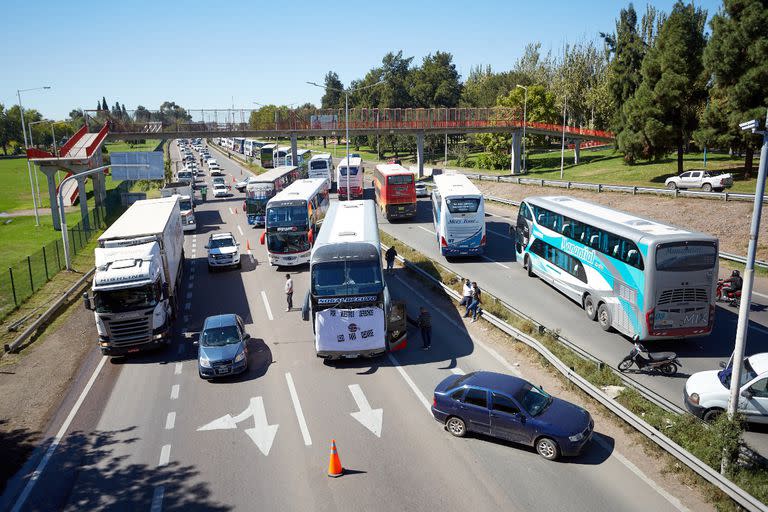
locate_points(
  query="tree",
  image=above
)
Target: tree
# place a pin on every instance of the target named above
(483, 87)
(104, 105)
(535, 68)
(333, 97)
(170, 112)
(626, 51)
(141, 114)
(436, 83)
(4, 129)
(575, 76)
(737, 59)
(662, 114)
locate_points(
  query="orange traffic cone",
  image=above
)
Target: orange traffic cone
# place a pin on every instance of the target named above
(334, 465)
(247, 244)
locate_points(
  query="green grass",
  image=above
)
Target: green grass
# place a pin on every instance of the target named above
(118, 146)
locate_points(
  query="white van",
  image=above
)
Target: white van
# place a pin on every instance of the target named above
(321, 166)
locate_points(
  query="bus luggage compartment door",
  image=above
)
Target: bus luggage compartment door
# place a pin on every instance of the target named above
(397, 326)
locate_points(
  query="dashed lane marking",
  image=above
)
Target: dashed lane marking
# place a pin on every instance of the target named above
(427, 230)
(266, 305)
(494, 261)
(240, 230)
(230, 211)
(189, 295)
(57, 439)
(177, 369)
(165, 455)
(157, 499)
(175, 392)
(170, 420)
(297, 408)
(410, 382)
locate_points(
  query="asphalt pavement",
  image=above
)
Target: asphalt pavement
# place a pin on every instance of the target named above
(152, 435)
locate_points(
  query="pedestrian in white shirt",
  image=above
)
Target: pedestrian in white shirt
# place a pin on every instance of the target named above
(466, 294)
(289, 291)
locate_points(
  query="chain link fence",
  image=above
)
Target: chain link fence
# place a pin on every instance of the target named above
(22, 279)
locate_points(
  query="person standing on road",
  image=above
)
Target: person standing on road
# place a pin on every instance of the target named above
(288, 292)
(425, 324)
(203, 192)
(474, 305)
(466, 294)
(390, 256)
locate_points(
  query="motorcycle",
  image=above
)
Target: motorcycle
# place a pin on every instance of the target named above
(731, 297)
(664, 362)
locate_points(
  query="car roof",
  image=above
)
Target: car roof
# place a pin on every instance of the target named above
(228, 234)
(759, 362)
(215, 321)
(495, 382)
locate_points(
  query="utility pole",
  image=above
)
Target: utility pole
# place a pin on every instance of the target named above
(562, 147)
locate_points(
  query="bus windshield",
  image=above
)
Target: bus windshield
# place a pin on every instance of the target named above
(403, 179)
(255, 206)
(352, 171)
(686, 256)
(287, 216)
(346, 278)
(318, 165)
(463, 204)
(287, 242)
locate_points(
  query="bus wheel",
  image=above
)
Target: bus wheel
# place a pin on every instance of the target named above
(528, 266)
(589, 307)
(604, 317)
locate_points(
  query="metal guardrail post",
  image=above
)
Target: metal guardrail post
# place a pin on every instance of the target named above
(45, 263)
(13, 286)
(29, 267)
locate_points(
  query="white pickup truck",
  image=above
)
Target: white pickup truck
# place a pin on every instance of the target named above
(700, 179)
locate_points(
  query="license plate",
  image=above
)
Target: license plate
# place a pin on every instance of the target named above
(222, 371)
(349, 356)
(132, 350)
(401, 208)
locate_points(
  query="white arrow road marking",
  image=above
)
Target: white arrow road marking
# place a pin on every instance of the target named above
(262, 434)
(369, 418)
(227, 421)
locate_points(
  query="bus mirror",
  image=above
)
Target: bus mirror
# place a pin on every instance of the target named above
(87, 301)
(311, 236)
(262, 237)
(305, 309)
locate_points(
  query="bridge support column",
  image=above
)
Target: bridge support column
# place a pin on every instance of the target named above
(294, 149)
(515, 152)
(54, 201)
(576, 151)
(81, 194)
(420, 153)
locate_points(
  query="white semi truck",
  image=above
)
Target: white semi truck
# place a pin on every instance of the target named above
(139, 262)
(186, 202)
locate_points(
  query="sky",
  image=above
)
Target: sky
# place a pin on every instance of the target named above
(215, 54)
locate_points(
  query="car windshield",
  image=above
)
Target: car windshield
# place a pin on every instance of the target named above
(219, 336)
(287, 242)
(346, 278)
(131, 299)
(534, 400)
(724, 375)
(185, 204)
(215, 243)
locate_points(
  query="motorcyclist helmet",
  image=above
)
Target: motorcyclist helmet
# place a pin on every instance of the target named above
(735, 273)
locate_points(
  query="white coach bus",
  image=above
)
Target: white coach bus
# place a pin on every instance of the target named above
(458, 214)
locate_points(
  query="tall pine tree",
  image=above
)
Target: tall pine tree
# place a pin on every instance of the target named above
(737, 59)
(662, 114)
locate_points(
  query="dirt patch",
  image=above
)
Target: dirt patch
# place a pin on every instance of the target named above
(727, 220)
(34, 383)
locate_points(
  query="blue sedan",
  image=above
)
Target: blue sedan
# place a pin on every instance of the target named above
(513, 409)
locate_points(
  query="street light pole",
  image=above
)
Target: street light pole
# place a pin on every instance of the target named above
(749, 270)
(562, 148)
(32, 143)
(525, 120)
(24, 131)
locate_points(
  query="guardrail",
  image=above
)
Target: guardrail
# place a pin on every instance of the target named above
(723, 255)
(735, 492)
(602, 187)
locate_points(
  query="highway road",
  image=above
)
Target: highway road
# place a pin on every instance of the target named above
(152, 435)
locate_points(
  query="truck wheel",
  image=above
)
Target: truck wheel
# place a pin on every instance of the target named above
(589, 307)
(671, 185)
(707, 187)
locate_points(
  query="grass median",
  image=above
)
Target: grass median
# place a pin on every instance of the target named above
(706, 442)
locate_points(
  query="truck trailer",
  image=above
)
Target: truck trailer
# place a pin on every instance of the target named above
(139, 262)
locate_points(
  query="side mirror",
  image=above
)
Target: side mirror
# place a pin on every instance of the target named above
(87, 302)
(263, 237)
(246, 336)
(747, 393)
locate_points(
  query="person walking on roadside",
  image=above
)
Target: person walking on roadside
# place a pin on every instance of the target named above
(390, 256)
(203, 192)
(466, 294)
(425, 324)
(474, 305)
(288, 292)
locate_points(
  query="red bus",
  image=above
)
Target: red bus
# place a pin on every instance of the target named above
(395, 191)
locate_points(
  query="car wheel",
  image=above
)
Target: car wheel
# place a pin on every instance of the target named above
(707, 187)
(604, 317)
(711, 415)
(671, 185)
(528, 266)
(547, 448)
(589, 307)
(456, 426)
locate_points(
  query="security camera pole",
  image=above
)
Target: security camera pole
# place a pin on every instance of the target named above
(749, 271)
